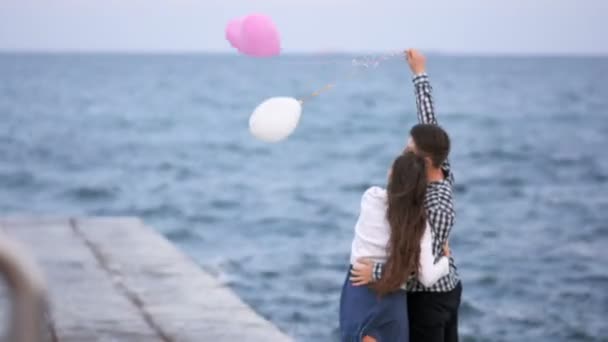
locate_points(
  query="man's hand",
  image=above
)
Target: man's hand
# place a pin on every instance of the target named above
(361, 274)
(446, 249)
(416, 60)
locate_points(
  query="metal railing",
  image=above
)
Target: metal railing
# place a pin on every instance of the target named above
(27, 288)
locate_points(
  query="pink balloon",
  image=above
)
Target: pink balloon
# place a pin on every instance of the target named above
(259, 37)
(233, 32)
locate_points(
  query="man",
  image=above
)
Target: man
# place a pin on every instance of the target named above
(432, 311)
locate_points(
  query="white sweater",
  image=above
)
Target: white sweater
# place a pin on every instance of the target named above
(372, 234)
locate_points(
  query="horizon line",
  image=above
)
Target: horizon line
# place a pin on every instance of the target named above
(430, 52)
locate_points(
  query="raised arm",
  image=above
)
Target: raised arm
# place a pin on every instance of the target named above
(425, 106)
(424, 99)
(422, 87)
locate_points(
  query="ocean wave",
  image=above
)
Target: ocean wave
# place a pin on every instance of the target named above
(19, 179)
(92, 193)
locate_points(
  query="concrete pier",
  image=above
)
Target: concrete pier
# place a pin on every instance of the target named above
(114, 279)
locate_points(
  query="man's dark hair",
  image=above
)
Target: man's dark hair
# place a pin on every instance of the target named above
(431, 141)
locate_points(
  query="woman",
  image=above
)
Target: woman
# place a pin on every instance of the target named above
(391, 229)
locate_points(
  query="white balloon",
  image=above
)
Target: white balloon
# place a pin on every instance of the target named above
(275, 119)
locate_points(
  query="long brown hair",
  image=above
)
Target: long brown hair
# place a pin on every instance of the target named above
(406, 215)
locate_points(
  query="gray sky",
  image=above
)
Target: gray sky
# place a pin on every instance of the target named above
(460, 26)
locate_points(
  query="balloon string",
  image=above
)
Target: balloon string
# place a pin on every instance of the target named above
(366, 62)
(325, 89)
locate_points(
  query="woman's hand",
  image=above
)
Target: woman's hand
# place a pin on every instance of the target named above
(361, 274)
(446, 249)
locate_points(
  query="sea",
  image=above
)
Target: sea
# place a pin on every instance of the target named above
(166, 138)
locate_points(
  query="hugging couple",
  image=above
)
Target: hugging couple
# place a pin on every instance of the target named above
(402, 284)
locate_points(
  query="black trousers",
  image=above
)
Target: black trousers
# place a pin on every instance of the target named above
(434, 315)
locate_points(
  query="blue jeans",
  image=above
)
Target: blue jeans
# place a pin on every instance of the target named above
(364, 313)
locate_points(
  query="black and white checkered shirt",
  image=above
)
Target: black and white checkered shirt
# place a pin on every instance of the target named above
(438, 202)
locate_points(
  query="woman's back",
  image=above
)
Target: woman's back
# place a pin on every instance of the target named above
(372, 235)
(372, 230)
